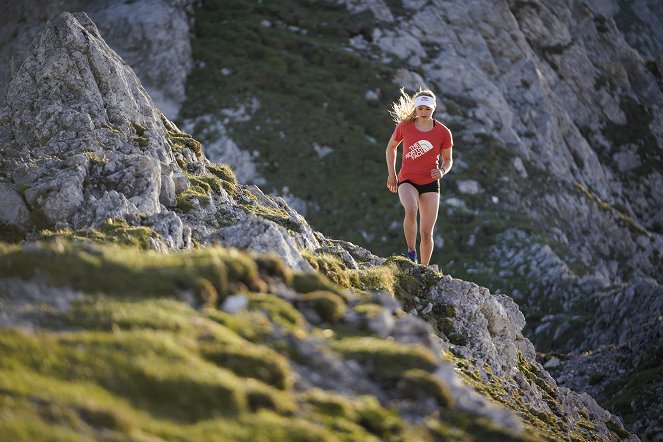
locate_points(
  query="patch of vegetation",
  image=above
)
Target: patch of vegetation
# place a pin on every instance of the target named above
(113, 230)
(629, 397)
(624, 218)
(385, 359)
(128, 272)
(226, 175)
(10, 233)
(418, 384)
(140, 137)
(199, 189)
(328, 305)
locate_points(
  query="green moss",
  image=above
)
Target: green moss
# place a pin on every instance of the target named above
(140, 130)
(113, 230)
(310, 282)
(199, 189)
(329, 306)
(369, 309)
(129, 272)
(181, 140)
(113, 129)
(251, 361)
(10, 233)
(252, 326)
(386, 359)
(264, 397)
(332, 267)
(278, 310)
(374, 278)
(226, 175)
(377, 419)
(95, 159)
(277, 215)
(141, 141)
(148, 368)
(627, 220)
(418, 384)
(330, 404)
(462, 426)
(273, 265)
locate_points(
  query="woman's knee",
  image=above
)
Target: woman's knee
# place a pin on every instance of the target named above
(426, 234)
(410, 212)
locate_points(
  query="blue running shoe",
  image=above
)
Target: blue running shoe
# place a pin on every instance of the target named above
(412, 256)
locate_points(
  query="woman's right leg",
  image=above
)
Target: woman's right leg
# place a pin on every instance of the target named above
(409, 199)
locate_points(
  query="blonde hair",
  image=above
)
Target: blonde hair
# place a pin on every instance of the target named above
(402, 110)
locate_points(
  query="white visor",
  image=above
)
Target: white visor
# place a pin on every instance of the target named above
(424, 100)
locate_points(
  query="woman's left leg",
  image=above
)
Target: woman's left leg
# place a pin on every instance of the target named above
(429, 204)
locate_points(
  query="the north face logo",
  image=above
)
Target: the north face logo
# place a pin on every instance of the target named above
(418, 149)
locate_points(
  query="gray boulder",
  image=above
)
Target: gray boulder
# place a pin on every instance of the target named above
(83, 126)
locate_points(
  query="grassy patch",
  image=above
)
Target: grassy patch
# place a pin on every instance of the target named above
(113, 230)
(386, 359)
(129, 272)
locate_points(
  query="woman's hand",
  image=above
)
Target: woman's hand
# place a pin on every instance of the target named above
(436, 174)
(392, 183)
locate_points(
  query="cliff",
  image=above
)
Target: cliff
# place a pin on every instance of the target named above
(175, 334)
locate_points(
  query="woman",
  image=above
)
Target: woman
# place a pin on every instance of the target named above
(418, 182)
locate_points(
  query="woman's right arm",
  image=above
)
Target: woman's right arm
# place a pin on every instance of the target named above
(392, 183)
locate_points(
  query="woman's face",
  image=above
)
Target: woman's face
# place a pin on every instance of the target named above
(424, 112)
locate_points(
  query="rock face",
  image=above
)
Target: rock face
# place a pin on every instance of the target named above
(151, 36)
(87, 140)
(84, 143)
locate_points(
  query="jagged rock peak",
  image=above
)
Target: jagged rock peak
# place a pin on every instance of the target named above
(74, 105)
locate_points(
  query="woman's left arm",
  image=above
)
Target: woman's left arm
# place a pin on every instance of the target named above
(447, 163)
(447, 160)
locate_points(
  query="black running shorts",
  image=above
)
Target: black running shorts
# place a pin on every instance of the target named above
(423, 188)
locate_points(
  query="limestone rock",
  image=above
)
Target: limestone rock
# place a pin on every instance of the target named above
(262, 236)
(14, 211)
(80, 116)
(152, 36)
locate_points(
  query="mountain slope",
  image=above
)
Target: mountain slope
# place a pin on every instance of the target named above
(101, 341)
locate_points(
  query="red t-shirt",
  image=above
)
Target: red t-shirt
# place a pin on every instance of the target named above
(421, 150)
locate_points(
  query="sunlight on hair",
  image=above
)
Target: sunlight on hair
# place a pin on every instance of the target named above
(402, 110)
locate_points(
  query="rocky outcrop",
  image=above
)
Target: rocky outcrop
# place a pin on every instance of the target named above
(152, 36)
(83, 143)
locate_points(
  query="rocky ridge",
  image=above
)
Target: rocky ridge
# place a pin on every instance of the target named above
(85, 154)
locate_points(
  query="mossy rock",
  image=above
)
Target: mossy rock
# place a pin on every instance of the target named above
(274, 266)
(329, 306)
(10, 233)
(330, 404)
(417, 384)
(226, 175)
(332, 267)
(117, 270)
(310, 282)
(113, 230)
(386, 359)
(378, 420)
(148, 368)
(265, 397)
(278, 310)
(369, 309)
(247, 360)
